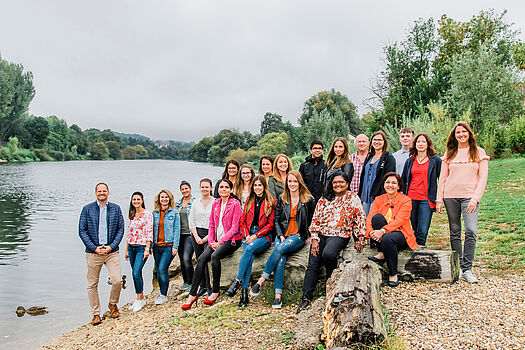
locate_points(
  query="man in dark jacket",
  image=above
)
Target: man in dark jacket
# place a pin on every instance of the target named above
(312, 169)
(101, 228)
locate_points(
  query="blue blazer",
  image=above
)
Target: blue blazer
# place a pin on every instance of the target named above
(88, 226)
(171, 227)
(434, 169)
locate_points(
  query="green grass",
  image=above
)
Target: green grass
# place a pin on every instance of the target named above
(501, 224)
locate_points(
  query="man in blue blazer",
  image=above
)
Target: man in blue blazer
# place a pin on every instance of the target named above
(101, 228)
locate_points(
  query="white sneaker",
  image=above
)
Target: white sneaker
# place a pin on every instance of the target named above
(469, 277)
(139, 304)
(161, 299)
(132, 306)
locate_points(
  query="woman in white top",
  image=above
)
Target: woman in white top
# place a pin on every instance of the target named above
(199, 223)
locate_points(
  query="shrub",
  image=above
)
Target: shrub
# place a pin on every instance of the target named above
(251, 156)
(517, 135)
(56, 155)
(41, 154)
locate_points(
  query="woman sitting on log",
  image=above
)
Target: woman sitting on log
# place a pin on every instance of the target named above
(256, 227)
(338, 215)
(388, 225)
(224, 239)
(292, 218)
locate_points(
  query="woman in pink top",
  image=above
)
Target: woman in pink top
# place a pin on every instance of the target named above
(224, 238)
(140, 236)
(462, 182)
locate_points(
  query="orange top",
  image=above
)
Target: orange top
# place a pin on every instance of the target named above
(401, 207)
(292, 224)
(160, 237)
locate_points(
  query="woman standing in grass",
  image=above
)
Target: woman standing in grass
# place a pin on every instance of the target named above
(140, 236)
(462, 182)
(281, 167)
(420, 176)
(338, 159)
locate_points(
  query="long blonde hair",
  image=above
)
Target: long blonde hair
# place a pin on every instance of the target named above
(276, 174)
(156, 201)
(304, 194)
(238, 186)
(268, 198)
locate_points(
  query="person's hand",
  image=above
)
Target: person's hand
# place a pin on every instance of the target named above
(315, 247)
(359, 245)
(250, 239)
(174, 252)
(471, 206)
(215, 245)
(126, 255)
(307, 240)
(439, 207)
(146, 254)
(282, 239)
(199, 240)
(377, 235)
(100, 250)
(108, 249)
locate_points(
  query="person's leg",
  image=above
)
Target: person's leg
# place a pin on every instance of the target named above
(391, 244)
(198, 249)
(312, 271)
(162, 273)
(366, 207)
(378, 221)
(414, 216)
(256, 247)
(115, 274)
(224, 250)
(331, 251)
(289, 246)
(423, 223)
(471, 230)
(453, 207)
(202, 263)
(94, 264)
(136, 258)
(185, 257)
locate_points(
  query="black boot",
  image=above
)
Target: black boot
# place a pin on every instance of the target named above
(244, 298)
(233, 288)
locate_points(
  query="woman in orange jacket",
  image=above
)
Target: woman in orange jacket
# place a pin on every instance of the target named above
(388, 225)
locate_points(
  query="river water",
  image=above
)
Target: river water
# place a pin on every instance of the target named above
(42, 259)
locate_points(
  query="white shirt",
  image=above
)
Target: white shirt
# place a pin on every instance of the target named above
(401, 157)
(220, 229)
(200, 215)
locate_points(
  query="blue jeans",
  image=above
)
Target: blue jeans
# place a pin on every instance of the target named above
(163, 258)
(420, 219)
(137, 261)
(277, 260)
(367, 207)
(249, 251)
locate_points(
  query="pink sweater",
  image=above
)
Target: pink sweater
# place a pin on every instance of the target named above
(462, 178)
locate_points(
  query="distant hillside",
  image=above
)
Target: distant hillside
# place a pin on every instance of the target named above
(132, 136)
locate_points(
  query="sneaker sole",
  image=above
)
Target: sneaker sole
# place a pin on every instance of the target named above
(253, 294)
(276, 306)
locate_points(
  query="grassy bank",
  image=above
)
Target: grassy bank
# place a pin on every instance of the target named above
(501, 227)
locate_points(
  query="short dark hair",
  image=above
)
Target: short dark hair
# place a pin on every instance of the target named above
(102, 183)
(394, 174)
(328, 192)
(316, 142)
(407, 130)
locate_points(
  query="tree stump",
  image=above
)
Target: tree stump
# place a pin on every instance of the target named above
(353, 306)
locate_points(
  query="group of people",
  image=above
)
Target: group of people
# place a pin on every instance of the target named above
(370, 197)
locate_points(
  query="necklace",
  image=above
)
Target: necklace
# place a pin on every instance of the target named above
(421, 160)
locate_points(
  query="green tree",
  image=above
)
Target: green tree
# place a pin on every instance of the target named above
(325, 127)
(199, 152)
(273, 143)
(332, 101)
(59, 137)
(99, 151)
(129, 153)
(79, 138)
(271, 122)
(141, 152)
(481, 84)
(113, 149)
(16, 93)
(38, 130)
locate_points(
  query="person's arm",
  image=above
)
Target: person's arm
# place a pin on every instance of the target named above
(443, 175)
(148, 228)
(264, 230)
(234, 228)
(83, 231)
(245, 231)
(404, 177)
(482, 180)
(278, 217)
(350, 172)
(212, 234)
(315, 225)
(373, 211)
(176, 230)
(390, 164)
(120, 230)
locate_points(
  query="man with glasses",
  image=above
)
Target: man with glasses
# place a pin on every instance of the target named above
(312, 169)
(362, 143)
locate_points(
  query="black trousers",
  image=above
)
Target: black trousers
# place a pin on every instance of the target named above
(224, 250)
(329, 249)
(186, 256)
(199, 248)
(390, 244)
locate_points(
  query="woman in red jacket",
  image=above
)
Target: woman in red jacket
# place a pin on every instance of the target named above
(388, 225)
(256, 226)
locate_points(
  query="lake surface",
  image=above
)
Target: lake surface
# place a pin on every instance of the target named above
(42, 259)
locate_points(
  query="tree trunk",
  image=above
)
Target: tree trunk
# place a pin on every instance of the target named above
(353, 306)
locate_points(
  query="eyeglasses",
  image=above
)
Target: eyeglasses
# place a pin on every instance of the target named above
(338, 182)
(317, 148)
(248, 173)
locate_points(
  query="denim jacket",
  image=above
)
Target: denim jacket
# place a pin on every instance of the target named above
(178, 205)
(171, 226)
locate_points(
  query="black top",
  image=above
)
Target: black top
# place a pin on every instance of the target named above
(312, 171)
(305, 212)
(387, 163)
(257, 210)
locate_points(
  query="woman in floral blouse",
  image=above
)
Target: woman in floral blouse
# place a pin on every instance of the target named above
(339, 215)
(140, 236)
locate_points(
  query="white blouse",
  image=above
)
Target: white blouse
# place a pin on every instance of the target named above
(200, 215)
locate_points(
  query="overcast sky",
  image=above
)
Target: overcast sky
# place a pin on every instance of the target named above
(183, 70)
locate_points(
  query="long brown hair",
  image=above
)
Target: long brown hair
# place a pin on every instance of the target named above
(304, 194)
(371, 149)
(430, 147)
(452, 143)
(238, 186)
(276, 172)
(132, 209)
(341, 161)
(225, 172)
(268, 158)
(156, 201)
(268, 198)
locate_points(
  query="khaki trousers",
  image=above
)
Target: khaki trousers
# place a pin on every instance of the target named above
(94, 265)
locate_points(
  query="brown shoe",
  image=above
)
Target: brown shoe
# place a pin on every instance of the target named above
(113, 310)
(96, 320)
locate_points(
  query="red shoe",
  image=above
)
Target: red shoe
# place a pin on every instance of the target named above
(210, 302)
(186, 307)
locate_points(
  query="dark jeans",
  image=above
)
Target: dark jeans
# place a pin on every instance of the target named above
(185, 254)
(163, 258)
(137, 261)
(455, 208)
(420, 219)
(199, 248)
(390, 244)
(224, 250)
(329, 249)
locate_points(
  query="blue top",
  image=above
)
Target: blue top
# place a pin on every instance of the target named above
(171, 227)
(102, 224)
(88, 226)
(370, 171)
(401, 157)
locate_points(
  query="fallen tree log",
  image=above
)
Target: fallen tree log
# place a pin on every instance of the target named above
(353, 306)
